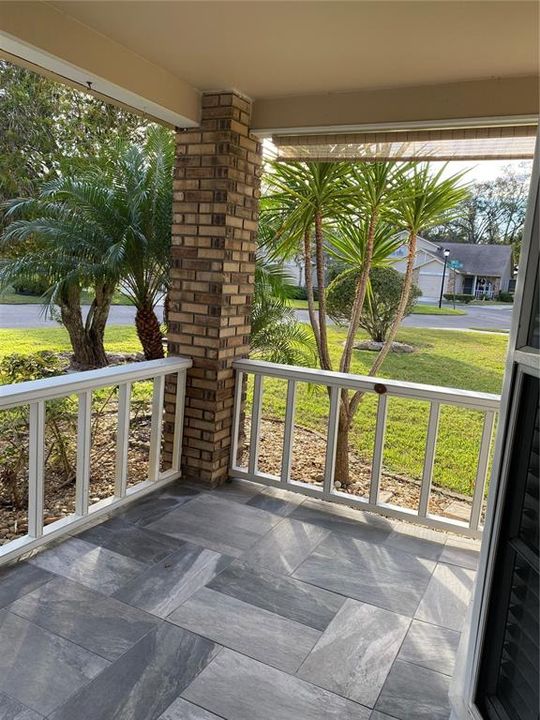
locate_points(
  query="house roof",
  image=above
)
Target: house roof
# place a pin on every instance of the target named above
(490, 260)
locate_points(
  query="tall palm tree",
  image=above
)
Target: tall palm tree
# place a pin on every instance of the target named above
(425, 200)
(104, 225)
(306, 199)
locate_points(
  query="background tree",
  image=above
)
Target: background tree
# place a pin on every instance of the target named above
(494, 213)
(44, 123)
(382, 300)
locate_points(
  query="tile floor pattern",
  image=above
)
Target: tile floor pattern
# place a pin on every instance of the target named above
(243, 603)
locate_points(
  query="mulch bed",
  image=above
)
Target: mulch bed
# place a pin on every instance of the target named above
(59, 498)
(308, 460)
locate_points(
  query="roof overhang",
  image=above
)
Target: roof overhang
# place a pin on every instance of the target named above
(158, 57)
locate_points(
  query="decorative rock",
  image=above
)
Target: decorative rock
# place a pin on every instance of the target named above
(337, 484)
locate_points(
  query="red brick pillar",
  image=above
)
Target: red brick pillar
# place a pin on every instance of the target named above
(216, 191)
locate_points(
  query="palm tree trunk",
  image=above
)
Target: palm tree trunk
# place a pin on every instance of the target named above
(326, 363)
(360, 296)
(404, 299)
(342, 468)
(86, 342)
(308, 274)
(149, 332)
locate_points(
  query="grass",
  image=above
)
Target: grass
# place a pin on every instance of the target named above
(13, 298)
(301, 304)
(421, 309)
(418, 310)
(472, 361)
(118, 339)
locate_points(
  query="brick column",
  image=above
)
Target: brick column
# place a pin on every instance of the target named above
(216, 191)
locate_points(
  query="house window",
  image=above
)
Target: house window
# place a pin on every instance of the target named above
(468, 285)
(509, 678)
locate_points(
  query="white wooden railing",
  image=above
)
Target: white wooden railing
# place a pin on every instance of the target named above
(487, 403)
(36, 393)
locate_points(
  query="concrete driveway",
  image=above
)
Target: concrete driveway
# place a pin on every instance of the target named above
(489, 317)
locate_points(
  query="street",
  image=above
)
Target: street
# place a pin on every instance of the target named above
(490, 317)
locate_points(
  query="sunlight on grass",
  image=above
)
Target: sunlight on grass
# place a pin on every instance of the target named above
(118, 339)
(471, 361)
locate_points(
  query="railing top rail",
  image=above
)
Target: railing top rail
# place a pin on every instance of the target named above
(398, 388)
(62, 385)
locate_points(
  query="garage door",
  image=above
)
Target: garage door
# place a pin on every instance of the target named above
(430, 284)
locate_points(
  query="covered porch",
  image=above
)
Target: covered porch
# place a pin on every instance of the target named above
(242, 603)
(214, 589)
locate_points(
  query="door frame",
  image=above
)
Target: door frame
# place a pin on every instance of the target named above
(464, 684)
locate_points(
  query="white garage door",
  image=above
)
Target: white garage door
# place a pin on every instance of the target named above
(430, 284)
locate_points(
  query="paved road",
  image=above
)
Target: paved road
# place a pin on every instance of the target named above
(490, 317)
(31, 316)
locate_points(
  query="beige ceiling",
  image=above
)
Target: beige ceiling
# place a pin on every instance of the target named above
(273, 49)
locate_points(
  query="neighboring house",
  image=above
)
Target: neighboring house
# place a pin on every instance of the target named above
(481, 270)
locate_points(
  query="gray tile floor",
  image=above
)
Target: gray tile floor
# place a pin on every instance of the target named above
(243, 603)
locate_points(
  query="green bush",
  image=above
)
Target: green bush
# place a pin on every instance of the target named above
(297, 292)
(505, 297)
(459, 297)
(381, 302)
(35, 287)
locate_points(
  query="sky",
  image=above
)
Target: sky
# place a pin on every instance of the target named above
(481, 170)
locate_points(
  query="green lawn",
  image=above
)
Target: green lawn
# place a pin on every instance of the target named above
(118, 339)
(471, 360)
(421, 309)
(418, 310)
(301, 304)
(13, 298)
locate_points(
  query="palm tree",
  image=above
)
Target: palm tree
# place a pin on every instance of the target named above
(276, 335)
(425, 200)
(104, 225)
(306, 200)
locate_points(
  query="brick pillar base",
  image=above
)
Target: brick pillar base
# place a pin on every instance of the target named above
(216, 191)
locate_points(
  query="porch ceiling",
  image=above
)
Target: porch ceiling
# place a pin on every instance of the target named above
(304, 63)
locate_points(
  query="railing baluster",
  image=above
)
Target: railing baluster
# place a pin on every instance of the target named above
(481, 471)
(158, 394)
(331, 442)
(239, 382)
(122, 439)
(84, 427)
(35, 469)
(376, 467)
(179, 420)
(288, 432)
(255, 424)
(429, 458)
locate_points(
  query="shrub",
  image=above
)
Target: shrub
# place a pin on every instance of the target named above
(459, 297)
(35, 287)
(297, 292)
(505, 297)
(381, 303)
